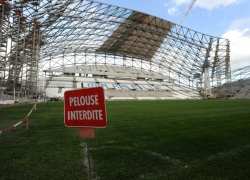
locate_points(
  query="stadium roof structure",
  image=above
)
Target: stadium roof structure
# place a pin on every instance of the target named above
(51, 34)
(241, 73)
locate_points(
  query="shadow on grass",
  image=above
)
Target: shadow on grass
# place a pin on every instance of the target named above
(14, 134)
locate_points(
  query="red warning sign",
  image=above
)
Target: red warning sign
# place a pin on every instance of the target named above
(85, 108)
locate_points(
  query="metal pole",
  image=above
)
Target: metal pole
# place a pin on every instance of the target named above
(14, 94)
(1, 86)
(90, 174)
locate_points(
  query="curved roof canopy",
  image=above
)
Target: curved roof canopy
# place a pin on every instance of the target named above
(70, 29)
(90, 26)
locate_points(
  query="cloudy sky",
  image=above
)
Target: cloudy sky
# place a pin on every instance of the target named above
(221, 18)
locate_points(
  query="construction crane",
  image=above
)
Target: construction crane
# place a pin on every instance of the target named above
(189, 9)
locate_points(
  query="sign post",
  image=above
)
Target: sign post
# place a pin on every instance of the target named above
(85, 109)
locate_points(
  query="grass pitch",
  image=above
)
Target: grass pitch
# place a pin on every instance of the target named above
(143, 140)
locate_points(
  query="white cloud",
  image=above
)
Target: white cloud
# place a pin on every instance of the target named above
(211, 4)
(180, 2)
(208, 4)
(246, 34)
(173, 11)
(223, 23)
(239, 42)
(240, 23)
(166, 4)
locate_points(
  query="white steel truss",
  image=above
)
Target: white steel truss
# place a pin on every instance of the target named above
(49, 34)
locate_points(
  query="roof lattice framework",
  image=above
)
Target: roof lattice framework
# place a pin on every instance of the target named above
(77, 32)
(241, 73)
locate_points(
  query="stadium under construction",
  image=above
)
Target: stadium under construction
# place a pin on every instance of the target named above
(51, 46)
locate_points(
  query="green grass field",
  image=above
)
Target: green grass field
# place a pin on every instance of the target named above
(143, 140)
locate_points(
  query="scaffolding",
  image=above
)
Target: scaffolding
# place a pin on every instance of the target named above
(5, 12)
(39, 36)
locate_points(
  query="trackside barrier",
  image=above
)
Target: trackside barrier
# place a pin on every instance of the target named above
(23, 120)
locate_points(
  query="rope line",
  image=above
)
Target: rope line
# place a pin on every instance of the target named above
(23, 120)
